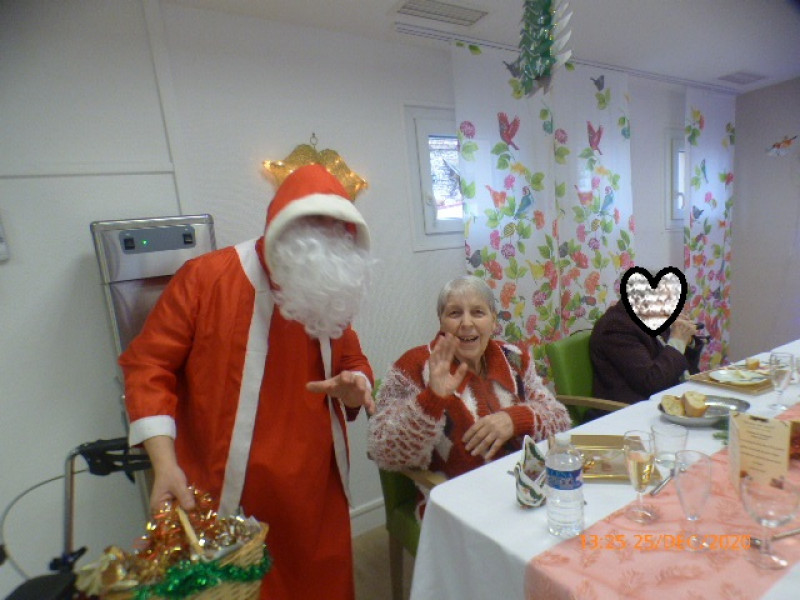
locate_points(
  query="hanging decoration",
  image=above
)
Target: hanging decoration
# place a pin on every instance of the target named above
(543, 38)
(306, 154)
(782, 147)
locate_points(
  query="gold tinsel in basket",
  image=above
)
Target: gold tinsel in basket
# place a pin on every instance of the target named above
(183, 553)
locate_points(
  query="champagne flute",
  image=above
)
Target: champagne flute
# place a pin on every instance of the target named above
(692, 475)
(639, 458)
(781, 365)
(771, 505)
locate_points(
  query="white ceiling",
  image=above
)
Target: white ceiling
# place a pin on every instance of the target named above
(683, 40)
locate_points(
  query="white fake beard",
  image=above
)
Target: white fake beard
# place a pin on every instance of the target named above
(323, 276)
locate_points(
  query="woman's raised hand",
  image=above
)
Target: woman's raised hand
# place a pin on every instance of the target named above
(442, 382)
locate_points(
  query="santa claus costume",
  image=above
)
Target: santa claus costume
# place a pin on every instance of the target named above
(219, 369)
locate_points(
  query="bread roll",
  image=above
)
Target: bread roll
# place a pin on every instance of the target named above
(694, 404)
(672, 405)
(752, 364)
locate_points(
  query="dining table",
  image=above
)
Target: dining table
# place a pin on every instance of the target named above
(477, 542)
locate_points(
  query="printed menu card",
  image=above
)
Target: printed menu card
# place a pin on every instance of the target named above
(759, 447)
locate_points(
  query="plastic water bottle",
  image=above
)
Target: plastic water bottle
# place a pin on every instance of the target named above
(564, 488)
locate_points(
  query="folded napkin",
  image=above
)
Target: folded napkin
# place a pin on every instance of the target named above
(530, 474)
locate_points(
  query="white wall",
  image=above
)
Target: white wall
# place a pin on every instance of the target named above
(114, 109)
(765, 261)
(81, 138)
(655, 108)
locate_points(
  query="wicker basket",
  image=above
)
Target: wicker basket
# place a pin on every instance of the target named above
(249, 554)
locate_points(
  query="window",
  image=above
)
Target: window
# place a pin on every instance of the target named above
(436, 203)
(448, 206)
(677, 197)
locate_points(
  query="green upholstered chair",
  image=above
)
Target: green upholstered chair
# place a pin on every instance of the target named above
(400, 501)
(573, 374)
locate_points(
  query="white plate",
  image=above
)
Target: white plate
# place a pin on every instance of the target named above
(718, 408)
(737, 376)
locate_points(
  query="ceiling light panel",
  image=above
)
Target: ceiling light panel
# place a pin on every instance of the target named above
(442, 12)
(742, 78)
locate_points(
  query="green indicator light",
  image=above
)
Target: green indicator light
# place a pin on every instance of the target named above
(144, 242)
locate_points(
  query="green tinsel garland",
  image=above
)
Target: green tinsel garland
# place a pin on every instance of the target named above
(187, 578)
(535, 42)
(537, 38)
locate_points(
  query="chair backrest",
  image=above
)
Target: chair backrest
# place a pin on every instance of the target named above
(398, 490)
(400, 502)
(571, 364)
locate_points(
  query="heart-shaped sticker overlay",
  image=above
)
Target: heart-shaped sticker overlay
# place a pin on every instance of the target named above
(653, 302)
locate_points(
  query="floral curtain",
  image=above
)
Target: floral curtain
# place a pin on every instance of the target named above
(546, 180)
(707, 249)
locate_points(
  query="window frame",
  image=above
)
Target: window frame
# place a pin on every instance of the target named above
(429, 233)
(676, 182)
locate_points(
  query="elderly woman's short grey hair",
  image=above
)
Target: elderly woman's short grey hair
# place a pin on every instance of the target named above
(462, 284)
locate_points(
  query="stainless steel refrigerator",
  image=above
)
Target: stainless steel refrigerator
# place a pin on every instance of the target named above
(137, 258)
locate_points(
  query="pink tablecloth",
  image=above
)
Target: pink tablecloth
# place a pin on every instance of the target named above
(616, 558)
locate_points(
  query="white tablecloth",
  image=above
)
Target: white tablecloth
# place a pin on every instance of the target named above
(476, 540)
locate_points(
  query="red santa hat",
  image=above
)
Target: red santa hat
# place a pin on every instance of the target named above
(312, 191)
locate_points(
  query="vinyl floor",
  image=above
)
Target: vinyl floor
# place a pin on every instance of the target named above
(371, 566)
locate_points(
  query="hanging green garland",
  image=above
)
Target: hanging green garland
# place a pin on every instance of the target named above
(543, 37)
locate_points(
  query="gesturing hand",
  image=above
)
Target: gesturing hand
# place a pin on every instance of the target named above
(488, 434)
(442, 382)
(352, 389)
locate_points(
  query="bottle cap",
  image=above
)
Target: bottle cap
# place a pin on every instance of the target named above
(563, 438)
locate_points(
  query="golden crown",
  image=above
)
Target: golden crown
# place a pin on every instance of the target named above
(307, 154)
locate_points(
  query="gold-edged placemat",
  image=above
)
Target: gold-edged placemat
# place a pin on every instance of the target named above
(604, 457)
(753, 389)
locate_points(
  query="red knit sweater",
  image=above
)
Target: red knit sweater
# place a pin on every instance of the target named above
(413, 427)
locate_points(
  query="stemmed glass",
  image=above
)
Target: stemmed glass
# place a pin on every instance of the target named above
(692, 475)
(771, 505)
(781, 365)
(639, 458)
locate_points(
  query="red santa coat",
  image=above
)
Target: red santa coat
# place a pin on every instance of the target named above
(199, 362)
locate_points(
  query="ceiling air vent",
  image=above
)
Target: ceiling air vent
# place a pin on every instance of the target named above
(742, 78)
(442, 12)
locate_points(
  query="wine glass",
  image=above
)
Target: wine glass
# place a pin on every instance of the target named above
(771, 504)
(692, 473)
(781, 365)
(639, 458)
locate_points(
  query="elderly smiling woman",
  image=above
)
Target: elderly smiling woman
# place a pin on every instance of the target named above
(464, 399)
